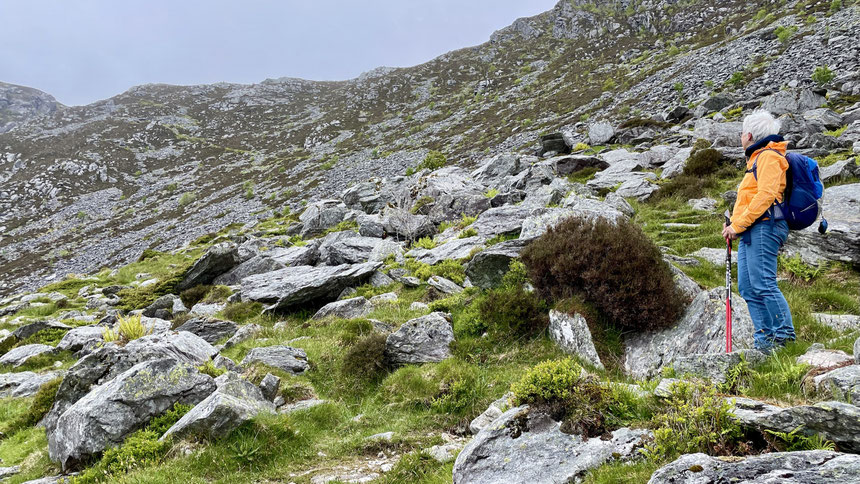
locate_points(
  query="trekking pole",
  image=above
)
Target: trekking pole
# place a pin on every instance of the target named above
(728, 288)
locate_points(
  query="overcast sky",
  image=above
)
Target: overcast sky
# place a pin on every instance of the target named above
(81, 51)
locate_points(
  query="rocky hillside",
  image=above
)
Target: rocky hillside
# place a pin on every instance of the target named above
(82, 187)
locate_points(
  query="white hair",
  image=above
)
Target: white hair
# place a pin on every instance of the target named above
(761, 124)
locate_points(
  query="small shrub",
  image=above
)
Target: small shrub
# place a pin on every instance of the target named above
(410, 387)
(365, 360)
(614, 266)
(793, 441)
(684, 187)
(799, 271)
(492, 192)
(217, 294)
(128, 328)
(835, 6)
(548, 381)
(470, 232)
(421, 203)
(822, 75)
(784, 34)
(460, 390)
(433, 161)
(738, 79)
(187, 199)
(49, 336)
(703, 162)
(210, 369)
(448, 268)
(243, 311)
(513, 310)
(424, 243)
(581, 146)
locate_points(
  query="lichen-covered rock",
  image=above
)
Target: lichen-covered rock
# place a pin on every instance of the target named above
(286, 358)
(523, 445)
(219, 259)
(571, 334)
(355, 307)
(714, 367)
(25, 383)
(421, 340)
(842, 383)
(20, 355)
(701, 329)
(234, 402)
(210, 329)
(487, 267)
(803, 467)
(111, 411)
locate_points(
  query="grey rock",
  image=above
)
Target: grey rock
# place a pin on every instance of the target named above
(714, 256)
(701, 329)
(25, 383)
(857, 351)
(839, 322)
(718, 102)
(836, 421)
(600, 133)
(421, 340)
(258, 264)
(528, 446)
(370, 226)
(302, 284)
(618, 202)
(210, 329)
(540, 220)
(320, 216)
(410, 281)
(454, 249)
(492, 171)
(454, 206)
(380, 279)
(494, 411)
(666, 386)
(286, 358)
(20, 355)
(234, 402)
(841, 208)
(362, 196)
(243, 333)
(443, 285)
(827, 118)
(270, 386)
(565, 165)
(704, 204)
(346, 248)
(819, 357)
(444, 453)
(719, 134)
(301, 405)
(208, 309)
(714, 367)
(111, 411)
(573, 337)
(28, 330)
(219, 259)
(839, 170)
(487, 267)
(221, 361)
(803, 467)
(384, 298)
(640, 189)
(419, 306)
(688, 287)
(297, 255)
(346, 308)
(507, 219)
(170, 302)
(841, 384)
(404, 225)
(675, 166)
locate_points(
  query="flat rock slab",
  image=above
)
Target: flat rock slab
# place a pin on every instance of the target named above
(421, 340)
(20, 355)
(841, 208)
(805, 467)
(836, 421)
(506, 219)
(355, 307)
(571, 334)
(526, 446)
(839, 322)
(209, 329)
(443, 285)
(219, 259)
(701, 329)
(714, 367)
(455, 249)
(714, 256)
(25, 383)
(292, 360)
(80, 338)
(820, 357)
(301, 284)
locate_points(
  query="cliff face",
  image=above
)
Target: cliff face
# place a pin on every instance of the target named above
(154, 167)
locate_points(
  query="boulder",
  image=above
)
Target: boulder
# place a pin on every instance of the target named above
(234, 402)
(455, 249)
(269, 386)
(839, 170)
(810, 466)
(362, 196)
(675, 166)
(210, 329)
(219, 259)
(839, 322)
(346, 247)
(824, 117)
(421, 340)
(565, 165)
(638, 188)
(528, 446)
(302, 284)
(553, 143)
(297, 255)
(25, 383)
(286, 358)
(20, 355)
(28, 330)
(370, 226)
(320, 216)
(842, 240)
(719, 134)
(492, 171)
(703, 204)
(384, 298)
(380, 279)
(714, 256)
(571, 334)
(836, 421)
(842, 383)
(787, 102)
(346, 308)
(258, 264)
(701, 329)
(494, 411)
(819, 357)
(688, 287)
(244, 333)
(714, 367)
(487, 267)
(108, 361)
(718, 102)
(507, 219)
(109, 412)
(458, 204)
(445, 286)
(600, 133)
(402, 224)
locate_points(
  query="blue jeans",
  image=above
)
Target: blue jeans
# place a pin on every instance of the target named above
(757, 249)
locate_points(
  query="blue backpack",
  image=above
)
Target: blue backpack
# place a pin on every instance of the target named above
(801, 202)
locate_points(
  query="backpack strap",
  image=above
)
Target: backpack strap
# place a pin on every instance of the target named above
(754, 168)
(788, 182)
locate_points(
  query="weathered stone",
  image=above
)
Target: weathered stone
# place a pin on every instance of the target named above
(701, 329)
(842, 383)
(666, 387)
(219, 259)
(25, 383)
(258, 264)
(718, 102)
(234, 402)
(640, 189)
(600, 133)
(487, 267)
(573, 337)
(839, 170)
(839, 322)
(297, 255)
(380, 279)
(286, 358)
(18, 356)
(302, 284)
(714, 367)
(211, 330)
(494, 411)
(719, 134)
(454, 249)
(419, 306)
(445, 286)
(320, 216)
(384, 298)
(404, 225)
(820, 357)
(346, 308)
(421, 340)
(688, 287)
(842, 241)
(456, 205)
(704, 204)
(806, 467)
(836, 421)
(492, 171)
(618, 202)
(523, 445)
(507, 219)
(444, 453)
(540, 220)
(346, 247)
(243, 333)
(111, 411)
(565, 165)
(827, 118)
(714, 256)
(675, 166)
(270, 385)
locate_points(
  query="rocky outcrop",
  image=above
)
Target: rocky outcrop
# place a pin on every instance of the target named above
(25, 383)
(812, 466)
(571, 334)
(301, 284)
(842, 384)
(111, 411)
(421, 340)
(219, 259)
(701, 329)
(523, 445)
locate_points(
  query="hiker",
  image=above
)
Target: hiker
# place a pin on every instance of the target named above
(758, 222)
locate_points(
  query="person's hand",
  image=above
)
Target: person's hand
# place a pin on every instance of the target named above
(729, 233)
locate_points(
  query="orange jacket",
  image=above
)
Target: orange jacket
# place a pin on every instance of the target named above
(756, 196)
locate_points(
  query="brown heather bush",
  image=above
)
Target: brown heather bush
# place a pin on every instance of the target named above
(194, 295)
(365, 359)
(613, 266)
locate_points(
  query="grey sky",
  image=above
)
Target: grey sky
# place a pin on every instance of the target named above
(84, 50)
